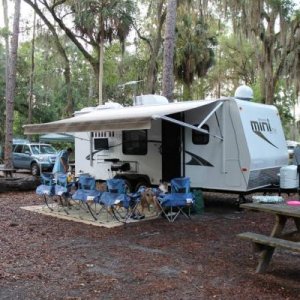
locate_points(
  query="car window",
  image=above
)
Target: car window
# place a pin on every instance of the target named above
(18, 148)
(43, 149)
(26, 149)
(46, 149)
(35, 149)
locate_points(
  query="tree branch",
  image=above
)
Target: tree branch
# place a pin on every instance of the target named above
(67, 31)
(142, 37)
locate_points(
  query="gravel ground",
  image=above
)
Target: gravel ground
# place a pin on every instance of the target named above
(46, 258)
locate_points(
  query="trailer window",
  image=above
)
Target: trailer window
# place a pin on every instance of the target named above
(200, 138)
(134, 142)
(101, 144)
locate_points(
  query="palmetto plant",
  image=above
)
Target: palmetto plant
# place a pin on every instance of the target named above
(194, 49)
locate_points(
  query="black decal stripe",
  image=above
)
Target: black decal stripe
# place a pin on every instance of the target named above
(93, 153)
(193, 162)
(264, 138)
(197, 160)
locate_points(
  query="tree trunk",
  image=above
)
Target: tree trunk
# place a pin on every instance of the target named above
(70, 102)
(187, 92)
(152, 66)
(30, 96)
(91, 91)
(6, 24)
(101, 61)
(6, 39)
(169, 44)
(10, 87)
(269, 83)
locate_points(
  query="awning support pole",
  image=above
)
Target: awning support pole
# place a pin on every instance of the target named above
(91, 148)
(210, 114)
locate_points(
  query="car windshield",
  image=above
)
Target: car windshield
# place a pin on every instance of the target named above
(43, 149)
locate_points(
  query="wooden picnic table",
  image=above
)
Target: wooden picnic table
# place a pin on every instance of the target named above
(278, 238)
(8, 172)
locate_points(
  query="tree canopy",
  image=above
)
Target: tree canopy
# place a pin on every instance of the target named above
(85, 52)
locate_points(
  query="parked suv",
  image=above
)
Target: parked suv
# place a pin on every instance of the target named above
(33, 156)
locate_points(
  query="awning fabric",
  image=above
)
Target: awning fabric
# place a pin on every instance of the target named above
(123, 118)
(56, 137)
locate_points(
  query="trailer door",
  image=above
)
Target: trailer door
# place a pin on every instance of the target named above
(171, 154)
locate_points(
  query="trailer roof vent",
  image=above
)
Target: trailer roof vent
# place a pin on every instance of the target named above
(84, 110)
(150, 100)
(106, 105)
(109, 104)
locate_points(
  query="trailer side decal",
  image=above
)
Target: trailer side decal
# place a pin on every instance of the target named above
(88, 157)
(197, 160)
(259, 126)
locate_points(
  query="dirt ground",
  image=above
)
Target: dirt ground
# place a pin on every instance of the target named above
(42, 257)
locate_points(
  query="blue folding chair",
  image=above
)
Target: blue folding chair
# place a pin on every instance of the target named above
(115, 201)
(47, 189)
(87, 194)
(174, 203)
(62, 190)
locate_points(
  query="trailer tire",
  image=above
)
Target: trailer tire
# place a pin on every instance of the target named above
(128, 186)
(134, 181)
(141, 183)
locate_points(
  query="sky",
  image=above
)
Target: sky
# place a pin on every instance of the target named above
(25, 10)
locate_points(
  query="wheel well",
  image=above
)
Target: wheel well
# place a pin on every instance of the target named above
(135, 179)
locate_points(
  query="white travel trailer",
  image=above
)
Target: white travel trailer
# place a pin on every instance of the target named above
(224, 144)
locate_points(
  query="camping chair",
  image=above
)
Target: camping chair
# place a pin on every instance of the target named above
(180, 198)
(115, 201)
(47, 189)
(62, 189)
(87, 194)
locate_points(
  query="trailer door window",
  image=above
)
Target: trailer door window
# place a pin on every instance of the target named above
(134, 142)
(200, 138)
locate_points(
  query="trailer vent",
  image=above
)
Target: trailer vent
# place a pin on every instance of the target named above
(103, 134)
(150, 100)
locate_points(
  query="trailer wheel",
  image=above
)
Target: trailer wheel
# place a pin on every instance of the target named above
(128, 186)
(240, 200)
(141, 183)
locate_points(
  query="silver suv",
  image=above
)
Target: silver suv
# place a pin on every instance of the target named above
(35, 157)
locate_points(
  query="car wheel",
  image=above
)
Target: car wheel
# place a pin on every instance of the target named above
(35, 169)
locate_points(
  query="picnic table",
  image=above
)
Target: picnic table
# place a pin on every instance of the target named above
(8, 172)
(266, 244)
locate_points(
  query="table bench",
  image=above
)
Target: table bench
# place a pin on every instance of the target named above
(277, 239)
(8, 172)
(262, 242)
(267, 244)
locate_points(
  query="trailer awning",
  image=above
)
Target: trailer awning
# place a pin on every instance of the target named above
(121, 118)
(56, 137)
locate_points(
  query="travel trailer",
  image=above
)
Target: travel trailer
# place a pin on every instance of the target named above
(225, 144)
